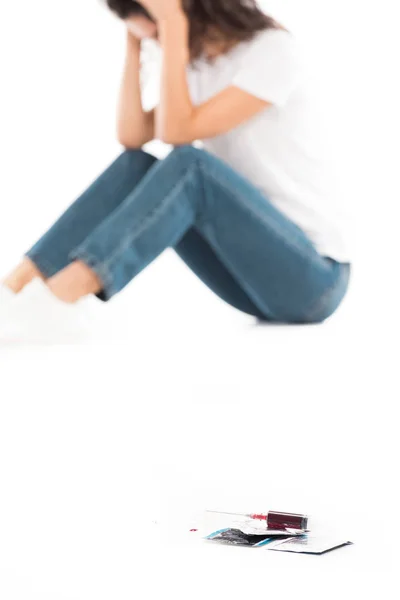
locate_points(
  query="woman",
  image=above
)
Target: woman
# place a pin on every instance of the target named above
(253, 214)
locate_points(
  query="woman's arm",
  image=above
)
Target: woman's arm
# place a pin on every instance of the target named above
(178, 121)
(135, 126)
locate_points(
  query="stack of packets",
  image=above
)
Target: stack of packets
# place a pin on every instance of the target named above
(288, 534)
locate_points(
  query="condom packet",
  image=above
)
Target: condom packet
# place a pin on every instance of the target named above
(237, 537)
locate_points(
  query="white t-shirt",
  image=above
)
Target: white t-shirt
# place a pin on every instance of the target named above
(282, 150)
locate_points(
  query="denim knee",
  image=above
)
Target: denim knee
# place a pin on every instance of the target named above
(139, 158)
(185, 154)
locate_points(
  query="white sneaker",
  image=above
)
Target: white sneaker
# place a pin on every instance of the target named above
(37, 316)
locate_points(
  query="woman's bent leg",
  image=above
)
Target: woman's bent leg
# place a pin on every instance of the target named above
(273, 261)
(51, 253)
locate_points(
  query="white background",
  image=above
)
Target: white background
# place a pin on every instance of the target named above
(193, 406)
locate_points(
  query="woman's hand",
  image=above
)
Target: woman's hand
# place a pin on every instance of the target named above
(161, 10)
(132, 39)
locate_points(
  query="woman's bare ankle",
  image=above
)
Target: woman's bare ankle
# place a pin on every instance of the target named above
(22, 275)
(75, 282)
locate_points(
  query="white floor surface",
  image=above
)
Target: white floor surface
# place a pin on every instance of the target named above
(110, 450)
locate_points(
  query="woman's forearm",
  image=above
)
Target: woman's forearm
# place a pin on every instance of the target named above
(135, 127)
(176, 107)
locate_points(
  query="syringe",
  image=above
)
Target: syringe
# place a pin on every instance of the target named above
(258, 517)
(274, 520)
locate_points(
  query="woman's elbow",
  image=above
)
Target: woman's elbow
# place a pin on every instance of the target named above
(129, 143)
(132, 140)
(174, 134)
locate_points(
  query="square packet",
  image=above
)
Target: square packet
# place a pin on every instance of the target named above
(236, 537)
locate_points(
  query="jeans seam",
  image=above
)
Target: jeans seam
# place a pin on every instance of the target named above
(150, 217)
(260, 303)
(271, 222)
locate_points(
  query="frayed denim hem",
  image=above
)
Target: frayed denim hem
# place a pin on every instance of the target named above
(102, 272)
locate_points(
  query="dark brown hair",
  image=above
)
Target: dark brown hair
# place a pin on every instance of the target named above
(223, 21)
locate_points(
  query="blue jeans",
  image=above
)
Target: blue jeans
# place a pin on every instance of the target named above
(226, 231)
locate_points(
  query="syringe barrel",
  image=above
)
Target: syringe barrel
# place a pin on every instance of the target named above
(280, 520)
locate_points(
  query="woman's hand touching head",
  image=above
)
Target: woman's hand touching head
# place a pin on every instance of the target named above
(138, 20)
(162, 9)
(141, 27)
(214, 25)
